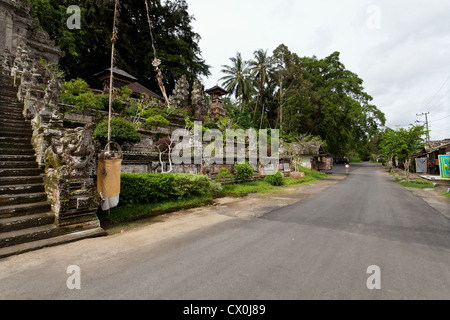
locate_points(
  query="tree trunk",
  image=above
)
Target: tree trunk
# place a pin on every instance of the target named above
(407, 165)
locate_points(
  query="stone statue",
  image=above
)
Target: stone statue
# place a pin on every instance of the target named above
(51, 97)
(72, 152)
(199, 106)
(180, 95)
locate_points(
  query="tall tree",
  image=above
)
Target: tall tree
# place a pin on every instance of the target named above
(88, 49)
(260, 71)
(403, 143)
(236, 79)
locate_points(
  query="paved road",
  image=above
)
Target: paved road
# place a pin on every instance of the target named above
(318, 248)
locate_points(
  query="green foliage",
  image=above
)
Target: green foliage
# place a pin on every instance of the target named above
(122, 131)
(138, 188)
(216, 189)
(243, 172)
(157, 121)
(224, 175)
(76, 93)
(417, 184)
(143, 211)
(314, 174)
(304, 95)
(275, 180)
(355, 159)
(402, 143)
(88, 49)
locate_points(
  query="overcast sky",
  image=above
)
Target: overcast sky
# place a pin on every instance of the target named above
(401, 48)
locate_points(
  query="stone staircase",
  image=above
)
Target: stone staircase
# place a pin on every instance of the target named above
(26, 220)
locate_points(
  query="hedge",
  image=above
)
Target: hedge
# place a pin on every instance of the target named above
(142, 188)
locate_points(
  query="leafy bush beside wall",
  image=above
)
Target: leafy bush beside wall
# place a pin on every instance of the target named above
(243, 171)
(122, 131)
(143, 188)
(276, 179)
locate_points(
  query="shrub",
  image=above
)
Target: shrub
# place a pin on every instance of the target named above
(188, 185)
(243, 171)
(157, 121)
(216, 189)
(224, 175)
(275, 180)
(140, 188)
(76, 93)
(122, 131)
(355, 160)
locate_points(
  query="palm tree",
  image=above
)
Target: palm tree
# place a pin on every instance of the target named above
(261, 71)
(236, 79)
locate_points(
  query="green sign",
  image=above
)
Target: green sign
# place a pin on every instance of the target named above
(444, 164)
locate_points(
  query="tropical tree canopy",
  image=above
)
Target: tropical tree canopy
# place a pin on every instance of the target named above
(88, 50)
(304, 95)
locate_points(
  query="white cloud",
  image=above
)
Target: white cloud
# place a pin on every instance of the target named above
(403, 62)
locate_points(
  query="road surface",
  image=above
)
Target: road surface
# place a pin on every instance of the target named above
(318, 248)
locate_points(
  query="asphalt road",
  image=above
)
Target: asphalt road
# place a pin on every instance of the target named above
(318, 248)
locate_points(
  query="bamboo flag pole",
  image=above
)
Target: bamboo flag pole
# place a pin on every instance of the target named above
(113, 42)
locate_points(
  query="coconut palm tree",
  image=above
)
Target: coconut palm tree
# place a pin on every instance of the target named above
(236, 79)
(261, 70)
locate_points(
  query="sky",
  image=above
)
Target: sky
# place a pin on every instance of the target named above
(401, 48)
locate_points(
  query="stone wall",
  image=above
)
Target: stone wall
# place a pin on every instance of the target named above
(18, 27)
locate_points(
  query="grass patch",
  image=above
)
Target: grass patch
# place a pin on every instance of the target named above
(291, 182)
(243, 189)
(143, 211)
(355, 160)
(260, 186)
(446, 194)
(314, 174)
(419, 184)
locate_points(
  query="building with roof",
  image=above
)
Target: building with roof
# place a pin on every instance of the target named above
(427, 159)
(122, 78)
(217, 108)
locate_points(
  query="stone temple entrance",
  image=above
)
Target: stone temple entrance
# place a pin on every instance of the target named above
(47, 191)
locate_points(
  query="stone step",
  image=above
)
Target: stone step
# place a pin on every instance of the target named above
(21, 140)
(6, 151)
(7, 181)
(16, 146)
(9, 200)
(16, 103)
(5, 99)
(21, 172)
(9, 132)
(8, 239)
(50, 242)
(9, 115)
(24, 209)
(21, 189)
(16, 120)
(19, 126)
(25, 222)
(18, 158)
(11, 93)
(8, 105)
(18, 164)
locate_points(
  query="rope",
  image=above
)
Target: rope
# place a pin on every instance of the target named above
(156, 62)
(114, 38)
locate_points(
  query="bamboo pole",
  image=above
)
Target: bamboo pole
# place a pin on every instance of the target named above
(113, 42)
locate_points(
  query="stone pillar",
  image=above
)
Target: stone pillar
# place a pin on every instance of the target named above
(74, 200)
